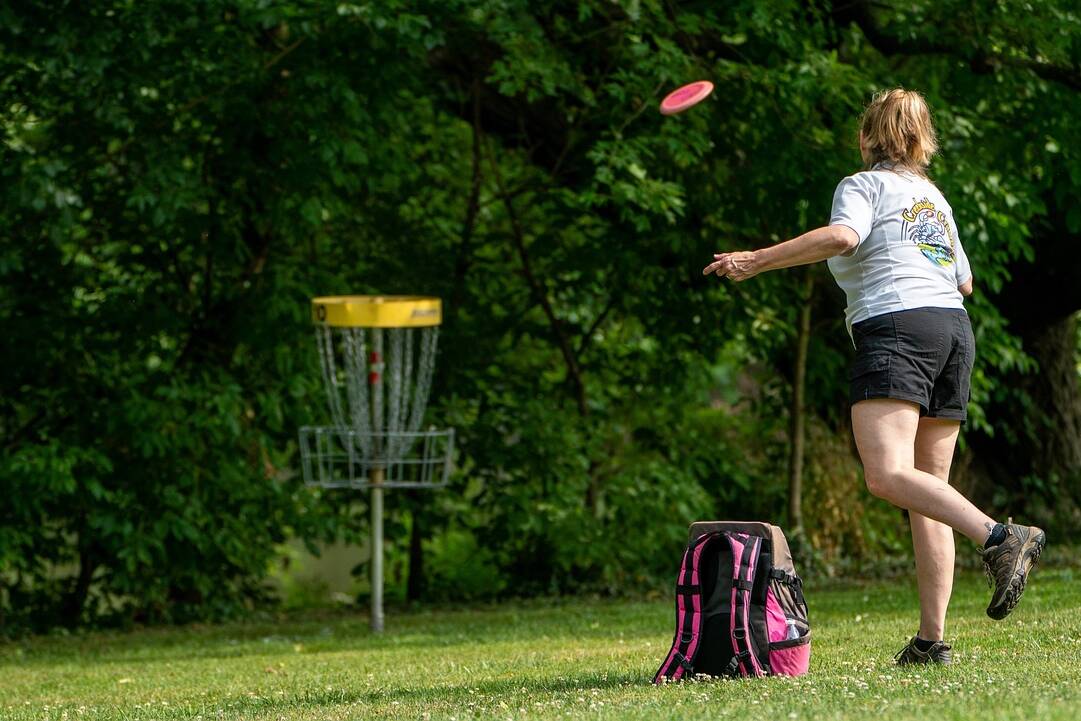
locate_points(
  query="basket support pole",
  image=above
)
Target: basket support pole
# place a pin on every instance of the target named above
(376, 479)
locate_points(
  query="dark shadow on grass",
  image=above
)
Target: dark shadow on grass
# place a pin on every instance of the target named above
(277, 654)
(352, 639)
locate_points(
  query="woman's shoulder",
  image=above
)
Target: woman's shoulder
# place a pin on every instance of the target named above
(864, 180)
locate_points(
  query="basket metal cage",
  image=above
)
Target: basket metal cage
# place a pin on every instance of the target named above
(333, 457)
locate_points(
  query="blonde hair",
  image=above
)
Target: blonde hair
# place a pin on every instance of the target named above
(896, 128)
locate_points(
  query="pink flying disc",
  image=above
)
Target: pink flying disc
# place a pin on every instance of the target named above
(682, 98)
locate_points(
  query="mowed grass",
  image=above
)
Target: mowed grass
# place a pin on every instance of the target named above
(558, 659)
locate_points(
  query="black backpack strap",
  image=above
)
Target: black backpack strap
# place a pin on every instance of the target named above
(680, 659)
(745, 555)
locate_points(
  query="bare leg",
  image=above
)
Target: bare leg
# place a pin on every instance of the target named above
(885, 431)
(931, 540)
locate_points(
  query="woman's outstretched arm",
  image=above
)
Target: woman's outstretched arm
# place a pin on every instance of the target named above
(811, 247)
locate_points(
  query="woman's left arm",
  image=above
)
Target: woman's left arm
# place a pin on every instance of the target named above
(811, 247)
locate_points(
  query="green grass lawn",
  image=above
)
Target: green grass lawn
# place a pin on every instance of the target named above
(558, 659)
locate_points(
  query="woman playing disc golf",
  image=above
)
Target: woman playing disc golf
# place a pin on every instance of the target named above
(892, 245)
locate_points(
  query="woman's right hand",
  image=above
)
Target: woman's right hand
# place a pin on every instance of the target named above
(740, 265)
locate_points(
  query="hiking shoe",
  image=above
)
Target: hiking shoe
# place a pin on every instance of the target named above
(939, 653)
(1007, 566)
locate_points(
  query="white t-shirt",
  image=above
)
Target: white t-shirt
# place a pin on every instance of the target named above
(909, 255)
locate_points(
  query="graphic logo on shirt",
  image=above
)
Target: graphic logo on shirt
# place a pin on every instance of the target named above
(930, 230)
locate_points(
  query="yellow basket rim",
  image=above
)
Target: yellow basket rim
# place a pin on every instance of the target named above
(377, 311)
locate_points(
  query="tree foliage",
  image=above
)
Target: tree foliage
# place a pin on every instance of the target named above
(180, 178)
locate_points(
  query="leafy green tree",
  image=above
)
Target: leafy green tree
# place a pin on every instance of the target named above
(179, 179)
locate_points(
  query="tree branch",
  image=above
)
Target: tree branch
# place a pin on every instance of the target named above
(587, 337)
(540, 293)
(859, 13)
(462, 262)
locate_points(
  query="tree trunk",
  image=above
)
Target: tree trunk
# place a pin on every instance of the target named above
(76, 600)
(1056, 393)
(796, 415)
(463, 262)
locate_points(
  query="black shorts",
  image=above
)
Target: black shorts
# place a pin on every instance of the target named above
(923, 355)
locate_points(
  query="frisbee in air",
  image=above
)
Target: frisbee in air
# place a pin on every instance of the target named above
(685, 97)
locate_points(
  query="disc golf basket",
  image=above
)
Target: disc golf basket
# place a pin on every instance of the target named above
(377, 355)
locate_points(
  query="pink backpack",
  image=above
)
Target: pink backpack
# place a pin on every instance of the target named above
(740, 609)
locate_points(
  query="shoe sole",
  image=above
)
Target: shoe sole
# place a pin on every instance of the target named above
(1027, 560)
(926, 662)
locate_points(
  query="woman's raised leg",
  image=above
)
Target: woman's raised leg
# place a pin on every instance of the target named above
(885, 431)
